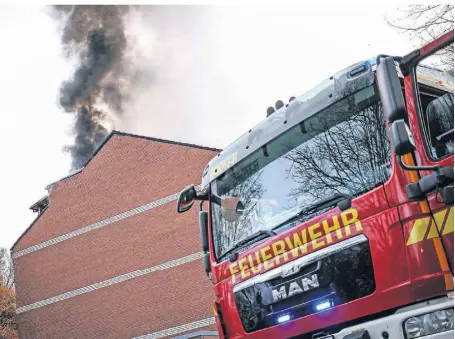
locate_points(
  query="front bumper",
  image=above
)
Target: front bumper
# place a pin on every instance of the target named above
(392, 326)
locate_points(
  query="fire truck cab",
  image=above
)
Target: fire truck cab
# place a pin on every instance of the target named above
(333, 217)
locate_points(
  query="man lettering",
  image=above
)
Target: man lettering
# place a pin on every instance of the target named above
(294, 289)
(279, 294)
(310, 282)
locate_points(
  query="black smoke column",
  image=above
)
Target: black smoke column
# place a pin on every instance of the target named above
(94, 34)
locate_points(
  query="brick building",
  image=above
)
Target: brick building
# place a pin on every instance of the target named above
(108, 256)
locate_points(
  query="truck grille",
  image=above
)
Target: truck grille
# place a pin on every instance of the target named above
(337, 279)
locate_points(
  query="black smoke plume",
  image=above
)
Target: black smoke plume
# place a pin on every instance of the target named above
(96, 36)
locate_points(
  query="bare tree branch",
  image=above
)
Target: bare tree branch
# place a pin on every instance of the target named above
(6, 268)
(426, 23)
(345, 158)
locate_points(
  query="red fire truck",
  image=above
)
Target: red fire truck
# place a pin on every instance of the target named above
(333, 217)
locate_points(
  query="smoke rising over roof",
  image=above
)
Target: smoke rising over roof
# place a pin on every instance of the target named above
(96, 36)
(196, 74)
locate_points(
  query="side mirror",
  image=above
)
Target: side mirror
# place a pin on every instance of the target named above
(440, 179)
(207, 268)
(203, 225)
(186, 199)
(390, 90)
(403, 143)
(401, 137)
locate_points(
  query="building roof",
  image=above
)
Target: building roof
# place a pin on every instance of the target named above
(29, 227)
(40, 205)
(114, 132)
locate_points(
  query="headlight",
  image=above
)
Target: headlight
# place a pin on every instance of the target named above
(430, 323)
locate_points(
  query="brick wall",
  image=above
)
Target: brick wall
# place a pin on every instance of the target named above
(127, 172)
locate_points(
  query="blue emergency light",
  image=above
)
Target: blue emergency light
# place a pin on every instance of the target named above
(283, 318)
(323, 305)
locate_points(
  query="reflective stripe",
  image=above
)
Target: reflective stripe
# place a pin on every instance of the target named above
(418, 231)
(439, 219)
(448, 223)
(420, 227)
(433, 232)
(427, 228)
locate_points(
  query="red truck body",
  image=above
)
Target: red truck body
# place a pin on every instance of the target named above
(410, 242)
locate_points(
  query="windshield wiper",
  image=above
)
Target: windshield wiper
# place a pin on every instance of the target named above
(343, 200)
(250, 238)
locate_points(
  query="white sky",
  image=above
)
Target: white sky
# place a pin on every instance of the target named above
(219, 79)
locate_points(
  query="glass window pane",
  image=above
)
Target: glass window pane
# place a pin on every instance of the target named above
(342, 149)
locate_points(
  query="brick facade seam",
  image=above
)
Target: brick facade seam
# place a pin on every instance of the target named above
(109, 282)
(97, 225)
(178, 329)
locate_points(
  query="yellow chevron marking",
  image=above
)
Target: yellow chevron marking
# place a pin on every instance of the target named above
(439, 218)
(437, 226)
(433, 233)
(418, 231)
(449, 223)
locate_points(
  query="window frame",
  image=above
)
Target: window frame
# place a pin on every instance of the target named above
(417, 102)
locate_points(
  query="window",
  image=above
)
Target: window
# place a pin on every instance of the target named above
(435, 88)
(342, 149)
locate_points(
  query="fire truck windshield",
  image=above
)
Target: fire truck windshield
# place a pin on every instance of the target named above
(342, 149)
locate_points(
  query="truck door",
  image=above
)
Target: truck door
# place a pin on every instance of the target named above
(429, 99)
